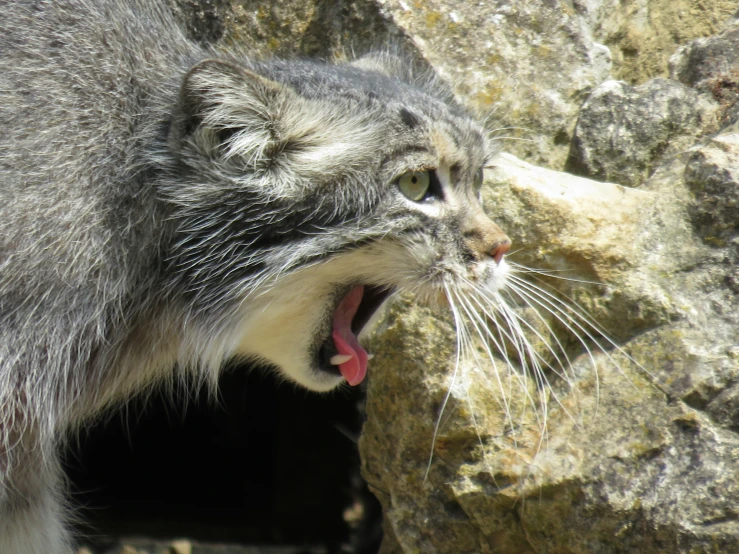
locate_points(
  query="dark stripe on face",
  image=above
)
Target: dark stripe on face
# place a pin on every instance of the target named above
(218, 248)
(456, 133)
(409, 118)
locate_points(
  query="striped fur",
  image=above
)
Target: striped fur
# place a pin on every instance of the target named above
(164, 205)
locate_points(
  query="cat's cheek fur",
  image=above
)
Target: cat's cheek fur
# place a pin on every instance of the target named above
(284, 332)
(286, 325)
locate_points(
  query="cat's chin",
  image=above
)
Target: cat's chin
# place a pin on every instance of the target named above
(316, 379)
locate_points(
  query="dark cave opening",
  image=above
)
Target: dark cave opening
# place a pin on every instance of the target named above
(267, 464)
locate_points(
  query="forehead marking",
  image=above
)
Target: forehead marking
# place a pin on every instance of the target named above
(447, 148)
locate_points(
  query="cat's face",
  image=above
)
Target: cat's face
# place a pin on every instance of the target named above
(315, 194)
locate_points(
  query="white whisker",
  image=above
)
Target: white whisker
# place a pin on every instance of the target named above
(521, 329)
(459, 326)
(506, 311)
(515, 339)
(504, 396)
(551, 273)
(562, 313)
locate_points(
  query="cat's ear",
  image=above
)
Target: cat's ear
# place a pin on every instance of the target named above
(221, 103)
(239, 121)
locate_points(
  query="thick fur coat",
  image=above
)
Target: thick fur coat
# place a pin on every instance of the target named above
(165, 206)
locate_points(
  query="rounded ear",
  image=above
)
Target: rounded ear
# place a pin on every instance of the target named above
(220, 98)
(234, 120)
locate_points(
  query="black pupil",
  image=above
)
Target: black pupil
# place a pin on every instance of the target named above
(414, 179)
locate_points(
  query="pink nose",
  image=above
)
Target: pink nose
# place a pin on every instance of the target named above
(499, 250)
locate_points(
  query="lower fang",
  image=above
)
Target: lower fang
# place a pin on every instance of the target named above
(339, 359)
(370, 356)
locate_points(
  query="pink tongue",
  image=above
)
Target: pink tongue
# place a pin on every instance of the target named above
(346, 342)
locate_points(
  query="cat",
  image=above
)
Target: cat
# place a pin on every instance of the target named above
(167, 207)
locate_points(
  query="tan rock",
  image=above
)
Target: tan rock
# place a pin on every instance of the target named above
(594, 461)
(643, 35)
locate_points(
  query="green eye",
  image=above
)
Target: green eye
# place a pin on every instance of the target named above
(414, 185)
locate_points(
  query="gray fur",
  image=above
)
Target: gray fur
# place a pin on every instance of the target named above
(168, 206)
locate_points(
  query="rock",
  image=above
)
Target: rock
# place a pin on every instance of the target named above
(634, 451)
(642, 35)
(700, 62)
(624, 132)
(711, 66)
(312, 28)
(712, 177)
(205, 20)
(180, 547)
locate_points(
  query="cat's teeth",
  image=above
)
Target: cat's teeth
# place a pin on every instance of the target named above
(370, 356)
(339, 359)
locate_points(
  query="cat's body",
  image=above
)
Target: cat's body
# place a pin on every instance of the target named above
(160, 208)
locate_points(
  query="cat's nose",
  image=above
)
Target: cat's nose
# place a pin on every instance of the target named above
(499, 250)
(485, 238)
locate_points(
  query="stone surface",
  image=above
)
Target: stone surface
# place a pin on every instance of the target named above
(642, 35)
(205, 20)
(702, 61)
(712, 177)
(711, 66)
(314, 28)
(623, 133)
(637, 454)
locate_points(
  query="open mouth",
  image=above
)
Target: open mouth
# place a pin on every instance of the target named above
(341, 352)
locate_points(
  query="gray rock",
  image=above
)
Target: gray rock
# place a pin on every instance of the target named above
(205, 20)
(712, 176)
(624, 132)
(711, 66)
(702, 61)
(312, 28)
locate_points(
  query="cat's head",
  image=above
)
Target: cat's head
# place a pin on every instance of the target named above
(304, 194)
